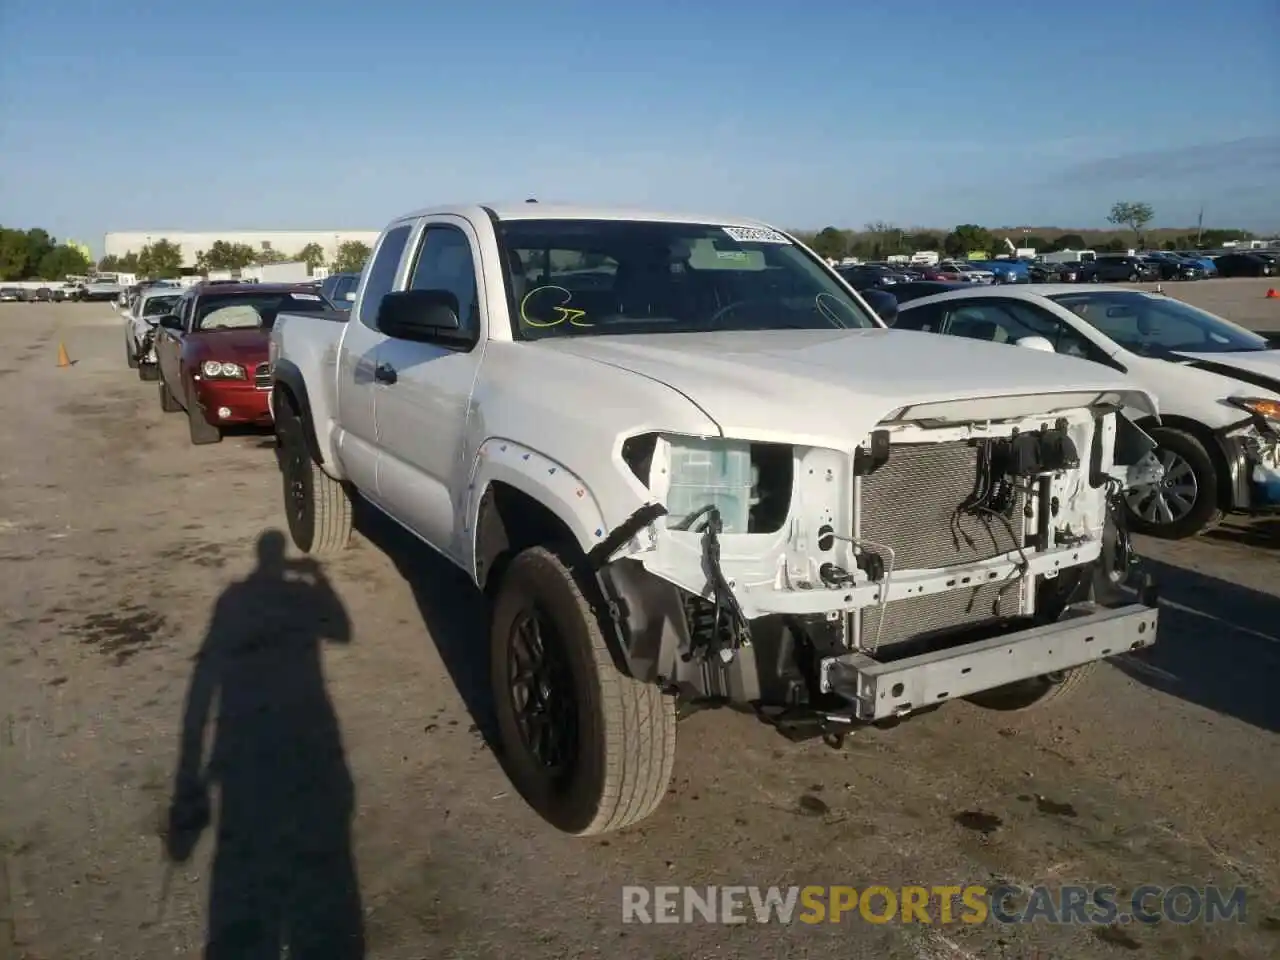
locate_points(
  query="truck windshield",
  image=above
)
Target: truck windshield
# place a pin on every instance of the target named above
(239, 311)
(601, 277)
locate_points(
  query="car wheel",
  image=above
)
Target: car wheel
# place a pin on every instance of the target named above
(148, 372)
(1185, 502)
(130, 355)
(590, 748)
(317, 507)
(1133, 277)
(168, 402)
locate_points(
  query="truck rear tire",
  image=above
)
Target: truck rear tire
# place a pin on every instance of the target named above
(317, 507)
(590, 748)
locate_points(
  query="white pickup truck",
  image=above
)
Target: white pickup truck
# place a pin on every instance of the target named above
(684, 460)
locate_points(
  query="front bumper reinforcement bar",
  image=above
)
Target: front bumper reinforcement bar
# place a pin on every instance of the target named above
(879, 691)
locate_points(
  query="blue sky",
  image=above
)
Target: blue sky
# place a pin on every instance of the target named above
(122, 114)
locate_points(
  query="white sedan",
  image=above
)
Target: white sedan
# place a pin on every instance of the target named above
(140, 324)
(1217, 384)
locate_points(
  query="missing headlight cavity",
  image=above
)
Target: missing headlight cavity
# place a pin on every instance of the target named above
(749, 484)
(638, 454)
(773, 473)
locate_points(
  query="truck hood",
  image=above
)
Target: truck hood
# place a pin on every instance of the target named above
(810, 386)
(237, 346)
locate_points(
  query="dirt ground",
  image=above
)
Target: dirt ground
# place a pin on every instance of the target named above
(129, 572)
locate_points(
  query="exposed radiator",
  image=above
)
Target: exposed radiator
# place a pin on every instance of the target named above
(918, 616)
(910, 504)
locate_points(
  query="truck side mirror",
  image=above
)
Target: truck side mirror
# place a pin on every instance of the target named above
(170, 321)
(427, 316)
(883, 303)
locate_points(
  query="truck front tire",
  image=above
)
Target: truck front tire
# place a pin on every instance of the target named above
(590, 748)
(317, 507)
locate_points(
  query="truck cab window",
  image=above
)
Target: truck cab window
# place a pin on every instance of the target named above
(445, 263)
(382, 274)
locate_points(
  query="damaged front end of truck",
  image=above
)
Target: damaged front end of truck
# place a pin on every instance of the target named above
(960, 547)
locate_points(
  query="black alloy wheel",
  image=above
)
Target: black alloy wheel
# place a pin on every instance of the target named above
(543, 699)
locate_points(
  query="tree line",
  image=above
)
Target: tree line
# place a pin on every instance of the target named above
(36, 255)
(162, 259)
(880, 239)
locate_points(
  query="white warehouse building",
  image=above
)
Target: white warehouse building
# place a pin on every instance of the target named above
(285, 242)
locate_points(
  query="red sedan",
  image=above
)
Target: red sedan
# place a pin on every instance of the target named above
(212, 353)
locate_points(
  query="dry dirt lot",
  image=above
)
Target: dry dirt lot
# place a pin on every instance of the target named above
(127, 575)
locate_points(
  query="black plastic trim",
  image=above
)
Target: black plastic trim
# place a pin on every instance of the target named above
(603, 550)
(1235, 373)
(287, 374)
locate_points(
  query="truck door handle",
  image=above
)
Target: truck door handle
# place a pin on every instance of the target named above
(385, 373)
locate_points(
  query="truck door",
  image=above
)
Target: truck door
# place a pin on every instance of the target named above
(424, 396)
(357, 361)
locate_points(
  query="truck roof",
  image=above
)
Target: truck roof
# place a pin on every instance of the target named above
(561, 211)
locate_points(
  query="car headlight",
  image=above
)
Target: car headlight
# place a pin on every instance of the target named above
(1258, 406)
(222, 371)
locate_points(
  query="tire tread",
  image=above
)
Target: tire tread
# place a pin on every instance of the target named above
(332, 518)
(639, 719)
(332, 504)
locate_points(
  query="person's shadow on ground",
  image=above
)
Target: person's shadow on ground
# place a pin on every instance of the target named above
(284, 880)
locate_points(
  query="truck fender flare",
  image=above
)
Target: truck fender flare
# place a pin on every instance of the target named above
(285, 373)
(550, 483)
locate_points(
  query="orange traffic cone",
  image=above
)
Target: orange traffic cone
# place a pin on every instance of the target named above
(1271, 294)
(63, 359)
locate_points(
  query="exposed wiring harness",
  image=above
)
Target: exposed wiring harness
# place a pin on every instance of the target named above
(727, 610)
(993, 496)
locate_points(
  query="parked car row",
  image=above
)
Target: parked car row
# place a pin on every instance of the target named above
(1103, 268)
(50, 294)
(206, 347)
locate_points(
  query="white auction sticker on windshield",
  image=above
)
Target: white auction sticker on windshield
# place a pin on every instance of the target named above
(305, 296)
(755, 235)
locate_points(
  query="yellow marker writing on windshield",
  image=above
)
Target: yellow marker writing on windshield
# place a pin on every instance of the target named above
(570, 315)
